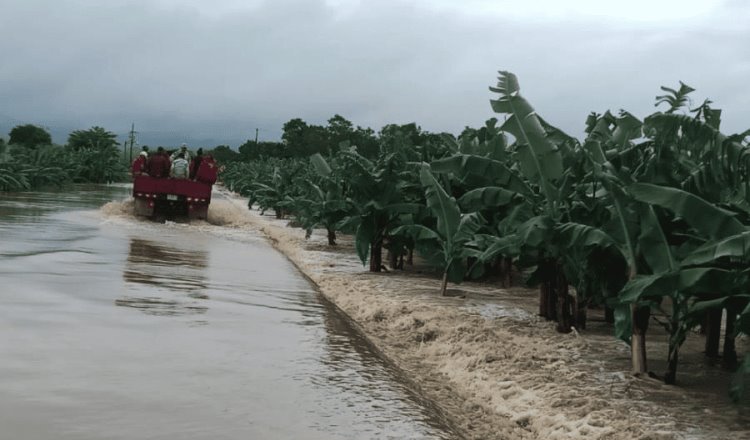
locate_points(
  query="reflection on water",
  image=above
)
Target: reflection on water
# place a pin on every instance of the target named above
(170, 268)
(165, 266)
(154, 254)
(160, 307)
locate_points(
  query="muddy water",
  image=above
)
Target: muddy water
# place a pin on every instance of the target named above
(114, 328)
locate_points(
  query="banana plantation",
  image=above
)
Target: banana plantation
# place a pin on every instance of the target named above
(37, 164)
(648, 219)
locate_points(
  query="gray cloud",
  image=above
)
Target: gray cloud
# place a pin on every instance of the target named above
(187, 73)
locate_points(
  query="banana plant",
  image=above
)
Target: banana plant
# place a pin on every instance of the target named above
(540, 152)
(324, 203)
(382, 196)
(275, 190)
(452, 230)
(655, 270)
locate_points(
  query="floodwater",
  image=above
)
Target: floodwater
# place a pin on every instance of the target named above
(117, 328)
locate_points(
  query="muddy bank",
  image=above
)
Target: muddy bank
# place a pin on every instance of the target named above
(495, 368)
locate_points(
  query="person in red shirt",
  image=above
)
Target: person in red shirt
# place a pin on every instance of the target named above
(207, 170)
(196, 163)
(159, 164)
(140, 165)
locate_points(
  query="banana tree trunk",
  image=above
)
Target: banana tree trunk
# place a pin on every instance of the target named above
(639, 319)
(713, 332)
(671, 377)
(502, 268)
(547, 293)
(580, 308)
(730, 352)
(392, 259)
(544, 300)
(609, 315)
(507, 271)
(331, 237)
(376, 255)
(563, 300)
(444, 286)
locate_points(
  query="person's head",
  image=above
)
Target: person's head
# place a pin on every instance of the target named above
(160, 150)
(200, 152)
(144, 154)
(145, 149)
(183, 147)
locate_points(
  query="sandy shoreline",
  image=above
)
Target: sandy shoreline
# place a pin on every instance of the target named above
(494, 368)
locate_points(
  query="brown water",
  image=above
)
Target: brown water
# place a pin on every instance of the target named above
(115, 328)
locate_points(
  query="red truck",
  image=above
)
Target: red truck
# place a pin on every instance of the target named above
(171, 198)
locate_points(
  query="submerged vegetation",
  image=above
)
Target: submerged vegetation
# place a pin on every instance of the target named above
(30, 161)
(647, 218)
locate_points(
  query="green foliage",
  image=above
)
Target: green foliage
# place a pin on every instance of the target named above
(224, 154)
(27, 169)
(638, 214)
(29, 136)
(674, 98)
(452, 230)
(95, 138)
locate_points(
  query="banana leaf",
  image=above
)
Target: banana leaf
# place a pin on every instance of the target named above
(320, 165)
(443, 207)
(702, 215)
(736, 246)
(486, 197)
(539, 159)
(492, 170)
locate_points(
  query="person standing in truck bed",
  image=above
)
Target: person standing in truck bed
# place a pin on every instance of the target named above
(184, 151)
(159, 164)
(196, 163)
(140, 165)
(179, 167)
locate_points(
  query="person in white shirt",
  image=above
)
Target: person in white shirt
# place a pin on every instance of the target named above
(183, 150)
(179, 167)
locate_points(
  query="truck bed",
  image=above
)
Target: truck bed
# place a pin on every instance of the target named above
(170, 198)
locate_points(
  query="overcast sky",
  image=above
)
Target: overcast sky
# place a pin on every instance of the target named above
(211, 71)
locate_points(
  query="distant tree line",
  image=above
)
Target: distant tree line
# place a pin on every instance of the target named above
(29, 159)
(301, 139)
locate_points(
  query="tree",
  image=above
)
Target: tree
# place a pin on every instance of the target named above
(366, 142)
(223, 153)
(30, 136)
(303, 139)
(339, 130)
(95, 138)
(251, 150)
(293, 136)
(3, 150)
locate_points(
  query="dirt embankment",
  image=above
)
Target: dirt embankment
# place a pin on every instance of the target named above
(488, 362)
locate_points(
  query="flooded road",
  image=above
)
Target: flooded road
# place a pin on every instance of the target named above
(115, 328)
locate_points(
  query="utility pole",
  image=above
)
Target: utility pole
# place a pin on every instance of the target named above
(256, 138)
(131, 138)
